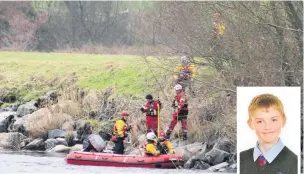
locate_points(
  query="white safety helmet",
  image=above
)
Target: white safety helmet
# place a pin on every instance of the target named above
(178, 87)
(184, 59)
(151, 136)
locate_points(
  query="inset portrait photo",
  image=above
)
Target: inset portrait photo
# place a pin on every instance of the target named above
(268, 130)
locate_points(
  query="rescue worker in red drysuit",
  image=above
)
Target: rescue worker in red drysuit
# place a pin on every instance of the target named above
(151, 110)
(181, 112)
(120, 133)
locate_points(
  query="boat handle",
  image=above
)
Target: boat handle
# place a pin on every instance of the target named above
(141, 160)
(104, 157)
(77, 156)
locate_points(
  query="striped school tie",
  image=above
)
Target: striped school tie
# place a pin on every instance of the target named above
(262, 161)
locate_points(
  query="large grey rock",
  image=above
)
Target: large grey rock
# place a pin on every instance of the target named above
(27, 108)
(201, 165)
(37, 144)
(4, 124)
(48, 99)
(51, 143)
(76, 147)
(14, 107)
(55, 133)
(60, 149)
(11, 140)
(218, 167)
(219, 153)
(216, 156)
(62, 141)
(5, 114)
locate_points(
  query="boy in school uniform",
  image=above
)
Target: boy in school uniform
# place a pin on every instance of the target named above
(270, 155)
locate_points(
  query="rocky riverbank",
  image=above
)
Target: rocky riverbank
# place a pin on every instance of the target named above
(45, 125)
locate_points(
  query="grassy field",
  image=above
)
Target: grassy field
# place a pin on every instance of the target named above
(31, 73)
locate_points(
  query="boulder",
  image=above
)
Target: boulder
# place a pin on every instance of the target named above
(219, 152)
(201, 165)
(36, 144)
(49, 98)
(4, 124)
(4, 115)
(11, 140)
(14, 107)
(55, 133)
(217, 167)
(27, 108)
(76, 147)
(62, 141)
(51, 143)
(60, 149)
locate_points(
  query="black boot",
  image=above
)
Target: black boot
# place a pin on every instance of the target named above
(185, 136)
(168, 133)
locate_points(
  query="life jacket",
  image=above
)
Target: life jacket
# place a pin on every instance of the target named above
(120, 128)
(186, 72)
(165, 146)
(151, 148)
(151, 108)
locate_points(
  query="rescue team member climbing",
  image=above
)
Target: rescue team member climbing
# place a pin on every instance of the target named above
(186, 73)
(120, 133)
(151, 110)
(181, 112)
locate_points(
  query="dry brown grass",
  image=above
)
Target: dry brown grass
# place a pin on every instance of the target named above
(39, 122)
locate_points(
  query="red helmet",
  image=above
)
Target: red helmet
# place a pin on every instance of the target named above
(124, 113)
(162, 133)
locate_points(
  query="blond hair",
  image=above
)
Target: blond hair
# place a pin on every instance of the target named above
(265, 101)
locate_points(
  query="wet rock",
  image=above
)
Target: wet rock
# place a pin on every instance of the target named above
(60, 149)
(201, 165)
(62, 141)
(11, 140)
(36, 144)
(217, 167)
(76, 147)
(55, 133)
(50, 143)
(4, 115)
(14, 107)
(218, 153)
(4, 124)
(25, 142)
(27, 108)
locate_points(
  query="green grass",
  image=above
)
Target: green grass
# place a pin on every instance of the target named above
(30, 72)
(33, 74)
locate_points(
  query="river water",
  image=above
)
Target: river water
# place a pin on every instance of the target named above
(29, 162)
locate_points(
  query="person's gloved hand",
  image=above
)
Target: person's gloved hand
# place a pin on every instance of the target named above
(159, 103)
(142, 109)
(173, 104)
(114, 138)
(129, 127)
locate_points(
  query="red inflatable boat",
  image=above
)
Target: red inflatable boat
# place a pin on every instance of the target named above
(108, 159)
